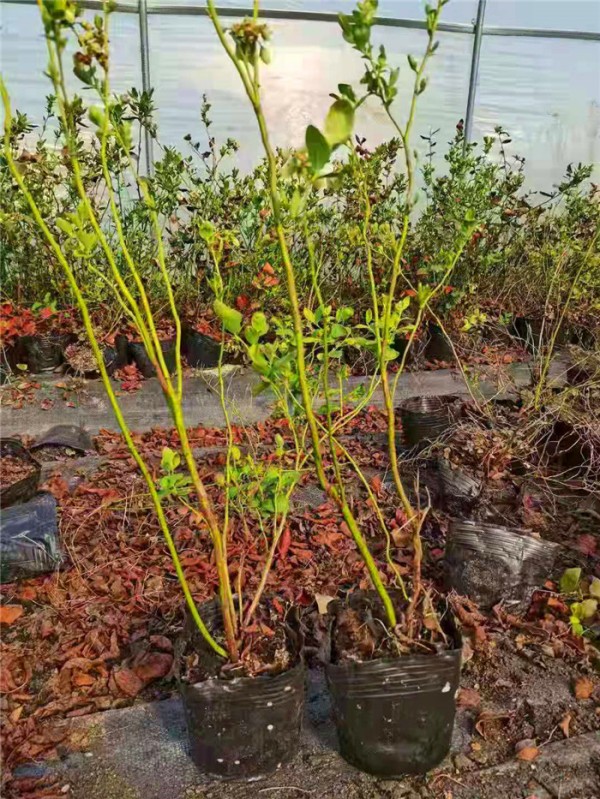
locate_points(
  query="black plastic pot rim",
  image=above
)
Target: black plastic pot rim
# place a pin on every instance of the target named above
(458, 473)
(164, 342)
(211, 614)
(428, 405)
(423, 674)
(65, 436)
(220, 686)
(483, 535)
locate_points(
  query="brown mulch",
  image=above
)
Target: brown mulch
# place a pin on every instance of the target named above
(100, 633)
(13, 469)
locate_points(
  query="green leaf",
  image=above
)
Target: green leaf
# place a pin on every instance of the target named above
(346, 90)
(343, 314)
(588, 608)
(282, 504)
(309, 316)
(280, 444)
(170, 460)
(570, 580)
(412, 61)
(339, 122)
(318, 149)
(295, 203)
(97, 115)
(206, 230)
(577, 611)
(576, 625)
(231, 318)
(66, 227)
(259, 362)
(337, 331)
(259, 323)
(595, 588)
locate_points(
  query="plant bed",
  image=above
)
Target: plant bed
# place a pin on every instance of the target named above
(490, 563)
(42, 353)
(438, 347)
(457, 484)
(394, 712)
(80, 360)
(201, 351)
(566, 448)
(584, 337)
(244, 720)
(29, 538)
(139, 356)
(19, 473)
(401, 345)
(427, 418)
(528, 330)
(63, 440)
(482, 455)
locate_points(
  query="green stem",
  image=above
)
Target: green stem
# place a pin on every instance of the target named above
(87, 323)
(331, 490)
(548, 357)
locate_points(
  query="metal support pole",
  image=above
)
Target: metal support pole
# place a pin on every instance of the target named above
(146, 85)
(474, 76)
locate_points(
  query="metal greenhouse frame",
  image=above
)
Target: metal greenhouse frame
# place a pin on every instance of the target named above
(478, 29)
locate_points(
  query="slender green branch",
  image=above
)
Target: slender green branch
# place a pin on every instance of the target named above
(552, 344)
(87, 322)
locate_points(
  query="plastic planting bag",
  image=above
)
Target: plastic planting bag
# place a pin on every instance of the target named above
(29, 539)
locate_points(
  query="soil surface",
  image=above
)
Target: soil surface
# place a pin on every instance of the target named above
(13, 469)
(80, 358)
(141, 752)
(88, 653)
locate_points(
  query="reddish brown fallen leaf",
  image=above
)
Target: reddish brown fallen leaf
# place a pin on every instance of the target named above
(46, 628)
(265, 630)
(128, 682)
(80, 711)
(10, 613)
(303, 555)
(377, 484)
(153, 666)
(565, 723)
(278, 606)
(468, 697)
(161, 642)
(587, 544)
(80, 679)
(584, 688)
(528, 753)
(284, 543)
(28, 593)
(401, 538)
(557, 604)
